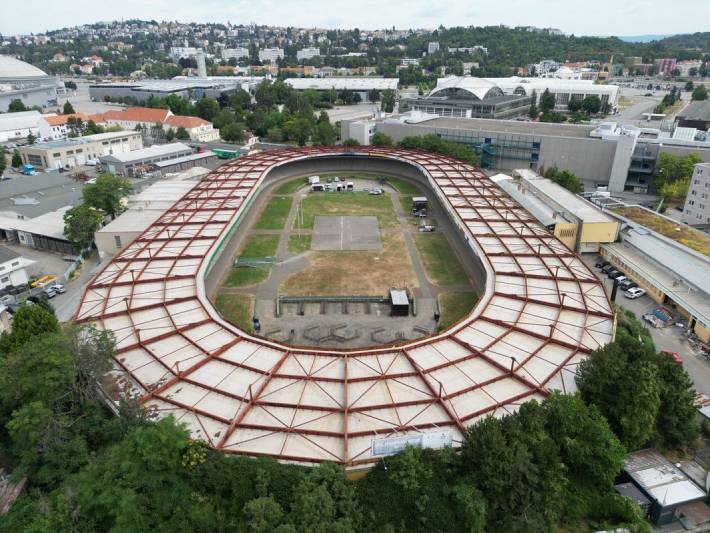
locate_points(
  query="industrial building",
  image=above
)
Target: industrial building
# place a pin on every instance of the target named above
(579, 224)
(24, 82)
(670, 491)
(695, 115)
(16, 126)
(189, 88)
(13, 267)
(472, 97)
(142, 210)
(44, 232)
(137, 162)
(69, 153)
(307, 53)
(207, 159)
(361, 85)
(696, 211)
(608, 155)
(673, 274)
(541, 313)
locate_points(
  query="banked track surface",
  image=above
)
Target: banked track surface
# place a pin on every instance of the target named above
(541, 314)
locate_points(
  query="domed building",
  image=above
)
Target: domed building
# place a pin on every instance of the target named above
(22, 81)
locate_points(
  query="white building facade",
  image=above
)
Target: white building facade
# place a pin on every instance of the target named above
(271, 54)
(307, 53)
(696, 210)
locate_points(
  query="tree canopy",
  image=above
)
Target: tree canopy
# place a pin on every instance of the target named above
(107, 194)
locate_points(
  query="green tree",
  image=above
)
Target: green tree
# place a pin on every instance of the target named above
(324, 134)
(262, 515)
(700, 93)
(566, 178)
(671, 168)
(689, 85)
(207, 108)
(16, 106)
(622, 382)
(388, 100)
(182, 134)
(434, 143)
(3, 160)
(232, 132)
(533, 111)
(592, 104)
(274, 135)
(107, 194)
(31, 138)
(170, 135)
(676, 424)
(381, 139)
(351, 143)
(299, 130)
(27, 322)
(547, 101)
(574, 105)
(68, 108)
(80, 225)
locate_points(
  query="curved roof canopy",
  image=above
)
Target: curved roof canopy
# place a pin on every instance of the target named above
(477, 87)
(541, 314)
(14, 68)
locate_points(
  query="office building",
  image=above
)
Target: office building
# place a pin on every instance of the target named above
(271, 54)
(620, 157)
(695, 115)
(235, 53)
(24, 82)
(432, 48)
(696, 211)
(69, 153)
(307, 53)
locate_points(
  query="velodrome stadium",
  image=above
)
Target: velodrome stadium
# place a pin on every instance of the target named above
(539, 313)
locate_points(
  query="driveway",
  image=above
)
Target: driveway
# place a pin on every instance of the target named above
(671, 338)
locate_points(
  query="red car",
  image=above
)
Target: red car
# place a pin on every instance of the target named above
(673, 355)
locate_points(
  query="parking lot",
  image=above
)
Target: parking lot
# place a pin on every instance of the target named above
(671, 338)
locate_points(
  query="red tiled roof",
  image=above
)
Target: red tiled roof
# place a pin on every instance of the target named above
(139, 114)
(186, 122)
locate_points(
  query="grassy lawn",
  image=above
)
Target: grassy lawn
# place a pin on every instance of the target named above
(454, 306)
(345, 204)
(260, 246)
(299, 243)
(441, 263)
(275, 213)
(406, 202)
(366, 273)
(246, 275)
(403, 186)
(237, 308)
(291, 187)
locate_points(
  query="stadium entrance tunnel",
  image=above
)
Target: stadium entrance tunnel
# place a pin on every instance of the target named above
(540, 313)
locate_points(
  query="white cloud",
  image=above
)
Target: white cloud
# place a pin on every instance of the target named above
(602, 17)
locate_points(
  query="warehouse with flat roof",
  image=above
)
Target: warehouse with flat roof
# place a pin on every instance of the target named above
(138, 162)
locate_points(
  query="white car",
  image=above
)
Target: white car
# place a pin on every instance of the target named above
(59, 288)
(634, 292)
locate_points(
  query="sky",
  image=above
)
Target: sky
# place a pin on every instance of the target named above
(580, 17)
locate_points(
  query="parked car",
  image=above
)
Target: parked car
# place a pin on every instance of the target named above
(620, 278)
(426, 228)
(607, 268)
(627, 284)
(673, 355)
(59, 288)
(613, 273)
(601, 263)
(376, 191)
(50, 292)
(634, 292)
